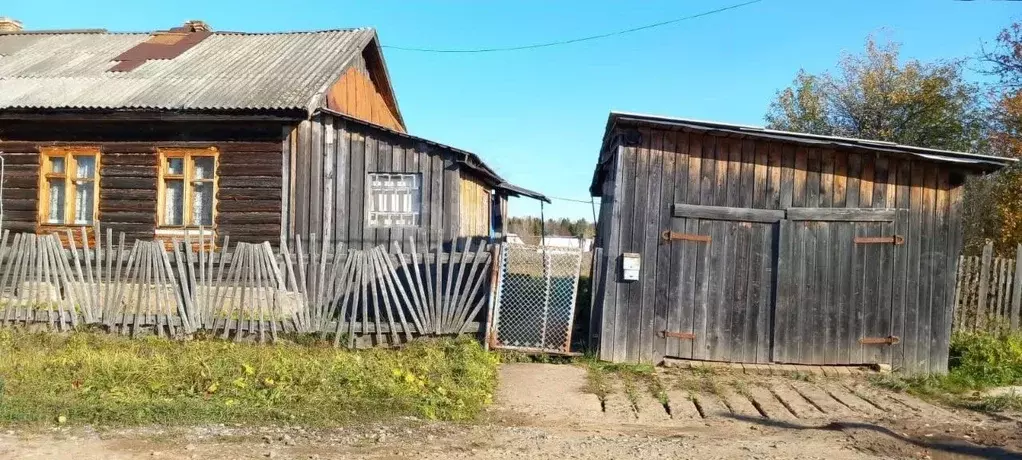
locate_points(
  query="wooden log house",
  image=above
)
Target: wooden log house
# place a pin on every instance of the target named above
(260, 136)
(760, 246)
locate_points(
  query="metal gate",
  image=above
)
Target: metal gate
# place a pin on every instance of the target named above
(535, 304)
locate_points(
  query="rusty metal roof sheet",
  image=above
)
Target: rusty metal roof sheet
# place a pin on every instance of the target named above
(226, 71)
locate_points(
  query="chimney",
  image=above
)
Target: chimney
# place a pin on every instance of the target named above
(197, 26)
(8, 25)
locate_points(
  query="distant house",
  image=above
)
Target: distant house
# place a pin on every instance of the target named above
(750, 245)
(260, 136)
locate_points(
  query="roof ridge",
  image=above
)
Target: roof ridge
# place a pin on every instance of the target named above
(222, 32)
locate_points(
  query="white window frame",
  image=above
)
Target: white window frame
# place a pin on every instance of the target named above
(374, 218)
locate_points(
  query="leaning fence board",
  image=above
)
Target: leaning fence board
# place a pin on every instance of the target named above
(242, 291)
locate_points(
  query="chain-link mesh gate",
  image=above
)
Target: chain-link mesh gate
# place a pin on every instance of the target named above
(535, 304)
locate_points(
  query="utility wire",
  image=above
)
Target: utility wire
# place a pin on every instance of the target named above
(573, 40)
(569, 199)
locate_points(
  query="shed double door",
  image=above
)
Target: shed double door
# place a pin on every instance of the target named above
(836, 280)
(802, 285)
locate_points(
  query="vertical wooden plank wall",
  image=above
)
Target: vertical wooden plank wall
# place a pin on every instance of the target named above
(360, 93)
(642, 184)
(474, 207)
(334, 156)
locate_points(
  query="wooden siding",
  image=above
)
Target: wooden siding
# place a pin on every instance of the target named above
(475, 208)
(333, 156)
(248, 198)
(687, 286)
(360, 93)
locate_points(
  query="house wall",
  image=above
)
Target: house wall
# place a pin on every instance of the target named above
(248, 198)
(475, 208)
(332, 156)
(645, 178)
(361, 93)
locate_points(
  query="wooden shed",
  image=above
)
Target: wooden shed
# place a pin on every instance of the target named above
(259, 136)
(761, 246)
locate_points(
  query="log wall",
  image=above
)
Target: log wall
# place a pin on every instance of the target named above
(250, 173)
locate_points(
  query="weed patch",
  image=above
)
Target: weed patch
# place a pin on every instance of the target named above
(978, 361)
(101, 379)
(635, 379)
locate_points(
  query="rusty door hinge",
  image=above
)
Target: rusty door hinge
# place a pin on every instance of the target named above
(896, 239)
(890, 340)
(667, 236)
(678, 335)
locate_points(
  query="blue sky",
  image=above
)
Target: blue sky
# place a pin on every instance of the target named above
(538, 116)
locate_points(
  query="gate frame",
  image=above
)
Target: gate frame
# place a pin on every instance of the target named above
(493, 328)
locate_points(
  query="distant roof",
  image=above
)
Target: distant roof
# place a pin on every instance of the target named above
(70, 70)
(971, 160)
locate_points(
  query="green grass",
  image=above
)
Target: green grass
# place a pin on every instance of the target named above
(978, 361)
(110, 380)
(634, 379)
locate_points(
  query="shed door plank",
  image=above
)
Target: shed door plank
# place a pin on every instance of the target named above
(666, 282)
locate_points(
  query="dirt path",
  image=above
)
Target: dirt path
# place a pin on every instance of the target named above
(544, 412)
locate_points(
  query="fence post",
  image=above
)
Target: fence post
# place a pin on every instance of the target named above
(1016, 288)
(984, 284)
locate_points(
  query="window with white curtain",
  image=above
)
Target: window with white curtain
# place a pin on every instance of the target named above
(394, 200)
(68, 186)
(187, 195)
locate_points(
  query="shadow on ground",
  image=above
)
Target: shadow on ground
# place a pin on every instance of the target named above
(951, 448)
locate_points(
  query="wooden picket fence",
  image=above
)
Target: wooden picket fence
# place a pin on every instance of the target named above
(244, 291)
(988, 292)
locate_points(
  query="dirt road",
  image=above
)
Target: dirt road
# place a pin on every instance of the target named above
(544, 412)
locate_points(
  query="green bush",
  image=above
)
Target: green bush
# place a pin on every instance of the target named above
(980, 360)
(93, 378)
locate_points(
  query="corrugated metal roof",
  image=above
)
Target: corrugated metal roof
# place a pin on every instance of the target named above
(226, 71)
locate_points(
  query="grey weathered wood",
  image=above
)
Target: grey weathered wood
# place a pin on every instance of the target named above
(13, 264)
(326, 228)
(415, 284)
(484, 274)
(466, 292)
(727, 213)
(315, 177)
(842, 214)
(389, 277)
(438, 309)
(356, 190)
(397, 286)
(1016, 289)
(453, 290)
(351, 284)
(984, 285)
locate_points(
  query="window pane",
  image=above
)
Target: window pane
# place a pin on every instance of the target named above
(57, 165)
(56, 204)
(202, 204)
(84, 201)
(174, 205)
(203, 167)
(175, 165)
(85, 167)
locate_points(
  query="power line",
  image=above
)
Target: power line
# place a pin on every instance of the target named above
(569, 199)
(573, 40)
